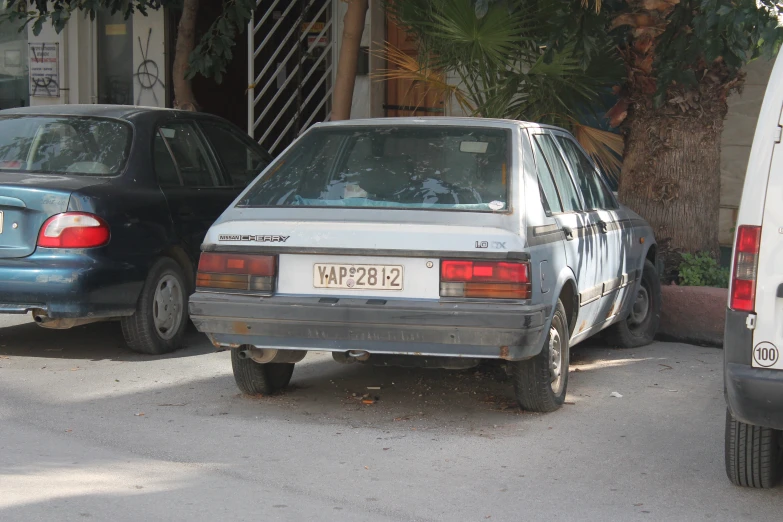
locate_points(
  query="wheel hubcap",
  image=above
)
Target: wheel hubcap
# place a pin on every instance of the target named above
(167, 307)
(555, 359)
(641, 306)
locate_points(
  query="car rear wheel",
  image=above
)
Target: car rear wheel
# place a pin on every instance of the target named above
(641, 325)
(753, 454)
(161, 315)
(260, 379)
(540, 383)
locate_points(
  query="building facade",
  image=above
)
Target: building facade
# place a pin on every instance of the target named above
(106, 60)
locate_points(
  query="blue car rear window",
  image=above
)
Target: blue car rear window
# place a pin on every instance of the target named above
(63, 145)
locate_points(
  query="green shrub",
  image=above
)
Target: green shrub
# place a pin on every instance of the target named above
(702, 270)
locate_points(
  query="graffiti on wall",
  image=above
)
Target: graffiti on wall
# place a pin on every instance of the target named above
(148, 72)
(44, 69)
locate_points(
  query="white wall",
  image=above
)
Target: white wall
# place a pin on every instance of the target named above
(147, 90)
(78, 60)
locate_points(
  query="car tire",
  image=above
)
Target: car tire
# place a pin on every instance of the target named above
(641, 325)
(753, 454)
(540, 383)
(254, 378)
(158, 325)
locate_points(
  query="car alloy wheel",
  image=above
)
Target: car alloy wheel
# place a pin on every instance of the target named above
(167, 307)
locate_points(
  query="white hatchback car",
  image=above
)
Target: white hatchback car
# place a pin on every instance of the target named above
(431, 242)
(753, 369)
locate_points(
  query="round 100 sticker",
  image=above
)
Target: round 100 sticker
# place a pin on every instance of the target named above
(765, 355)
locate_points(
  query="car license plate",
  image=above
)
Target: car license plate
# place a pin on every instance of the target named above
(357, 277)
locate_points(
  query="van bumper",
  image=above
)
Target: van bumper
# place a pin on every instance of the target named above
(377, 326)
(754, 395)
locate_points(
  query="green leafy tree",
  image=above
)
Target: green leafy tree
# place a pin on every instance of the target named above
(546, 60)
(208, 57)
(683, 58)
(497, 59)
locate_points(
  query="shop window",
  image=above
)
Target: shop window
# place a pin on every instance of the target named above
(115, 58)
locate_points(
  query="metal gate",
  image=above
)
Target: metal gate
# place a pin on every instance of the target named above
(290, 66)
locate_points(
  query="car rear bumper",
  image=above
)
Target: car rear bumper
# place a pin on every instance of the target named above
(69, 286)
(377, 326)
(754, 395)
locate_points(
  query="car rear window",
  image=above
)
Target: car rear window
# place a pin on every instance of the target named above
(63, 145)
(411, 167)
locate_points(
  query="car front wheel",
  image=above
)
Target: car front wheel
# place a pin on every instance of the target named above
(540, 383)
(161, 316)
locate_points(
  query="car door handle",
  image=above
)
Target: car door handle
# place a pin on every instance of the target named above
(185, 212)
(780, 291)
(569, 234)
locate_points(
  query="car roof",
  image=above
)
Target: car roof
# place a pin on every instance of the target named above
(439, 120)
(105, 111)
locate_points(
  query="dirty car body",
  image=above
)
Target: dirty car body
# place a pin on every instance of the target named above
(420, 237)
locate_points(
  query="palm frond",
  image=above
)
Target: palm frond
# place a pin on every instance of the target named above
(597, 3)
(408, 68)
(606, 148)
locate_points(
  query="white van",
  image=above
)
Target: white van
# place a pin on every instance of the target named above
(753, 368)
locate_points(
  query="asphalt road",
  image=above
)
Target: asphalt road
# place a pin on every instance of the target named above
(91, 431)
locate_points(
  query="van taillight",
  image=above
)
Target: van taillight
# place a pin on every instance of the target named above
(244, 272)
(74, 230)
(746, 256)
(492, 279)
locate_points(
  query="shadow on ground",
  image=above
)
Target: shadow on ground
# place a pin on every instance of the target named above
(96, 341)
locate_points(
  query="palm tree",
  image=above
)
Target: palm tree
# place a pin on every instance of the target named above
(492, 60)
(683, 58)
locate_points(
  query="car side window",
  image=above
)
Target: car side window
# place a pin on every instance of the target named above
(563, 181)
(189, 155)
(546, 184)
(594, 191)
(242, 162)
(165, 168)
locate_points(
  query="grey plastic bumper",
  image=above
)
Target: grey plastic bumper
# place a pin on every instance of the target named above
(754, 395)
(486, 330)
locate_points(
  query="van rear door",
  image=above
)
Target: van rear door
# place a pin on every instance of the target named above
(768, 335)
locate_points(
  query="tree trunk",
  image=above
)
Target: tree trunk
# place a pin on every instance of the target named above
(186, 41)
(353, 27)
(671, 170)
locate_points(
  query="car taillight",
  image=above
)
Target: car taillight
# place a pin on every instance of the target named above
(746, 255)
(74, 230)
(492, 279)
(245, 272)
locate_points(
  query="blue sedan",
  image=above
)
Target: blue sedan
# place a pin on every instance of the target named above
(103, 210)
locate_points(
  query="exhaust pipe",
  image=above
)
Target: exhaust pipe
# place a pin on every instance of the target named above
(271, 355)
(43, 320)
